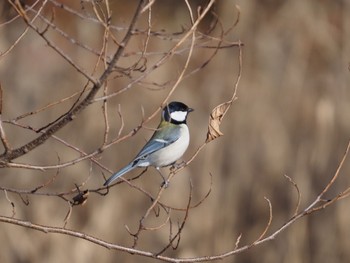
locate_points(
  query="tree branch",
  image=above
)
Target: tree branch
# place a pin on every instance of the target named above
(15, 153)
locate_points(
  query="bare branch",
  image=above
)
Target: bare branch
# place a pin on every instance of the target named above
(13, 154)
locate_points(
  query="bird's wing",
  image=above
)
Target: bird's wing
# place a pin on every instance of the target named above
(160, 139)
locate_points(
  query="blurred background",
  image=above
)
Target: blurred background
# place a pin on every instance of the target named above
(291, 118)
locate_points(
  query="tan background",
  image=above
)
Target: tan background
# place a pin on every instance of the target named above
(291, 117)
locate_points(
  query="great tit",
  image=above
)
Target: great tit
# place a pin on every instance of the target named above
(168, 143)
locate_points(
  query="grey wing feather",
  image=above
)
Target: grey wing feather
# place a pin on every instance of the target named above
(151, 147)
(155, 144)
(126, 169)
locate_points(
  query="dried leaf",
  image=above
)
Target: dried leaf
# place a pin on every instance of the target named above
(80, 198)
(215, 120)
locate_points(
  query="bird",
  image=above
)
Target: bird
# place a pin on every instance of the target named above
(168, 143)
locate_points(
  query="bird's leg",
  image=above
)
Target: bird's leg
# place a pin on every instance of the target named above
(165, 183)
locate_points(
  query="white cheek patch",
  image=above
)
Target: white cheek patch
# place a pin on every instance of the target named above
(178, 115)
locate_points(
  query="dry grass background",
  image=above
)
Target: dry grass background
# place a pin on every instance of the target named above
(291, 117)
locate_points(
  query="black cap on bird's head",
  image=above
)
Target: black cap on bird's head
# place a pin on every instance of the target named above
(176, 112)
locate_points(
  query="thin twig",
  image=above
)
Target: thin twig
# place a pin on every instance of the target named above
(298, 192)
(3, 137)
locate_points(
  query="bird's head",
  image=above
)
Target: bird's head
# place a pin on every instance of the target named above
(176, 112)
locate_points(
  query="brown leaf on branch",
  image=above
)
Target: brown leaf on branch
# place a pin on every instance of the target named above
(80, 198)
(215, 120)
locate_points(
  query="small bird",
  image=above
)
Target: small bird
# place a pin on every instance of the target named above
(168, 143)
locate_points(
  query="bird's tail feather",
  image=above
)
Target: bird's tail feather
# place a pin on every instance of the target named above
(124, 170)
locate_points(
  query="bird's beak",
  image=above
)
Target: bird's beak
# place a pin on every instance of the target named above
(190, 110)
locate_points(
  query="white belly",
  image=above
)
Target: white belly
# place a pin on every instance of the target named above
(173, 152)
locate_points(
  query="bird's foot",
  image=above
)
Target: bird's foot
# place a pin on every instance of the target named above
(165, 184)
(176, 166)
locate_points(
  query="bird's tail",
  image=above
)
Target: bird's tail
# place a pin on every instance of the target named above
(126, 169)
